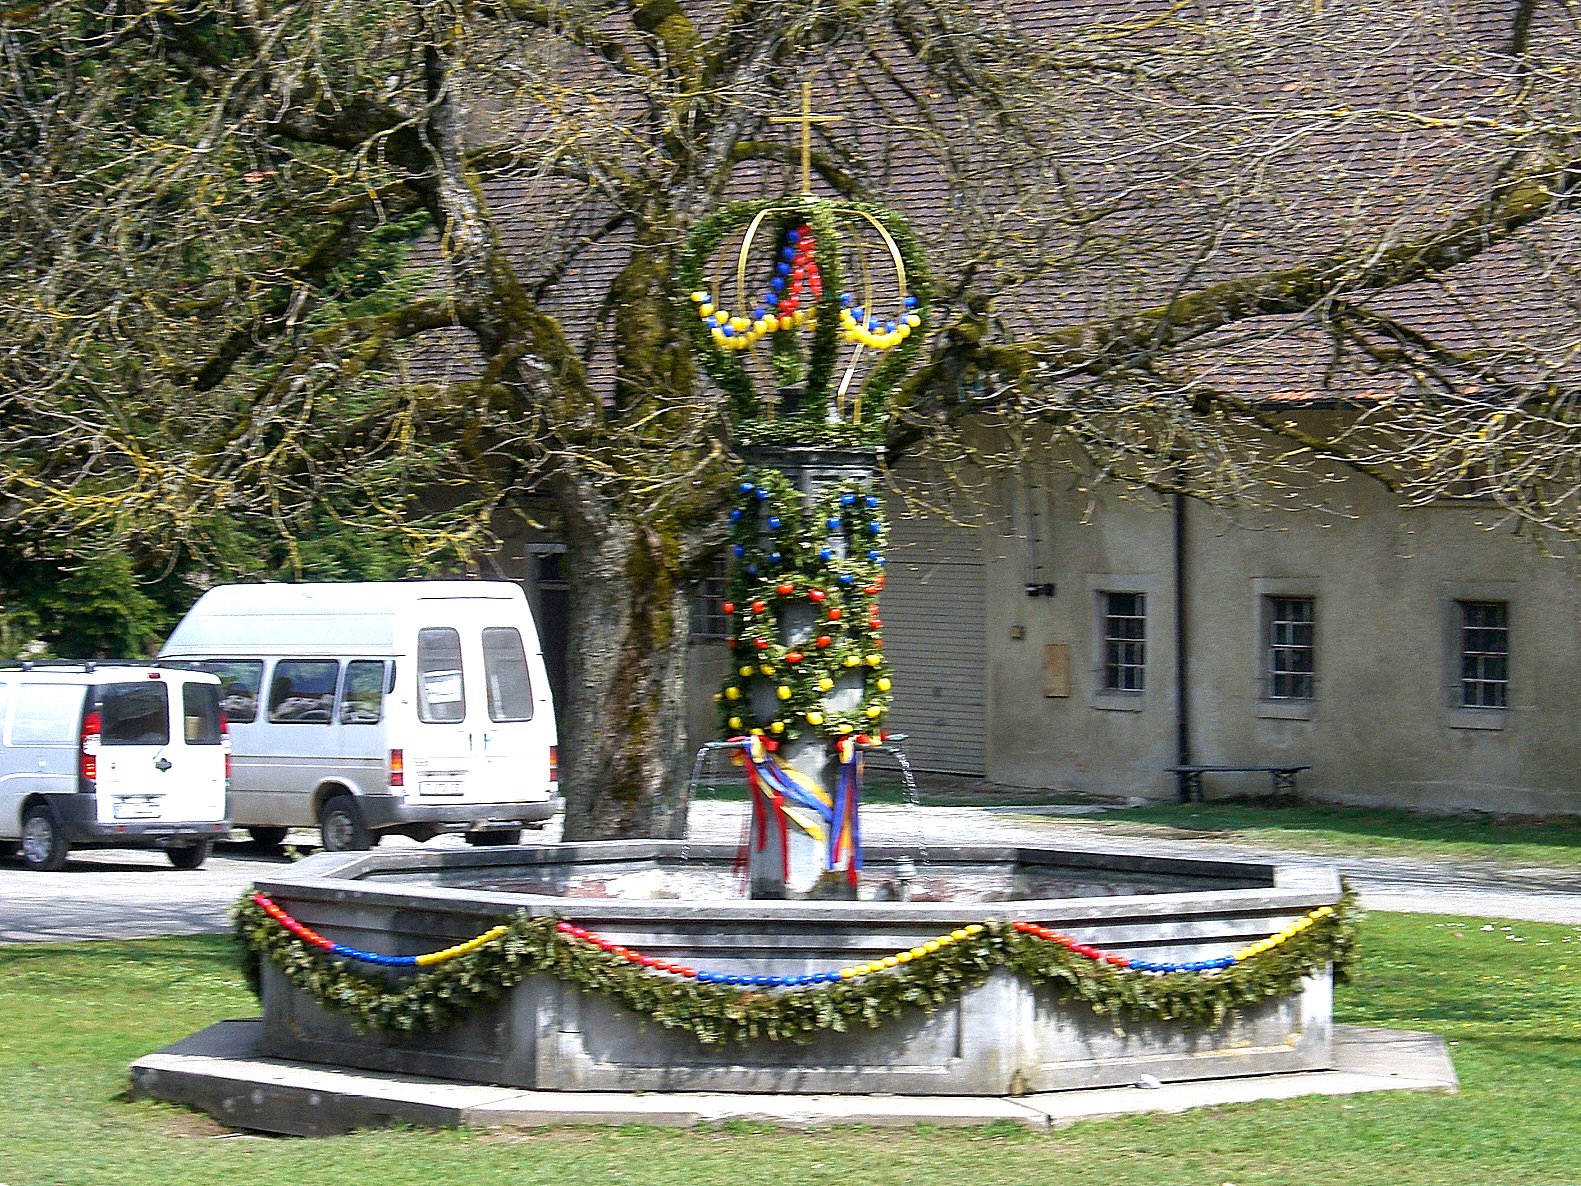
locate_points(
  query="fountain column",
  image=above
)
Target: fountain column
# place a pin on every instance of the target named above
(806, 367)
(817, 539)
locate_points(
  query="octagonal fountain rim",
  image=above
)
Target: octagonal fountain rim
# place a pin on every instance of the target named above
(338, 876)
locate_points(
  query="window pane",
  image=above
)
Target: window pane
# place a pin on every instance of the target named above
(134, 714)
(1292, 660)
(1124, 641)
(362, 695)
(46, 714)
(441, 694)
(240, 680)
(200, 714)
(1484, 654)
(505, 673)
(303, 691)
(708, 613)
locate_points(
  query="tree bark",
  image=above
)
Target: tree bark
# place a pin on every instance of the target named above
(624, 758)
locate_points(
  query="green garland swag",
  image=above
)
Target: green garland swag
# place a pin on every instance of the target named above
(718, 1014)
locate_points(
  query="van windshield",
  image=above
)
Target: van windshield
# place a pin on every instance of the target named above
(505, 673)
(134, 714)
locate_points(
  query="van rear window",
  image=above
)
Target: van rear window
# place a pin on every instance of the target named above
(200, 714)
(505, 673)
(441, 693)
(134, 714)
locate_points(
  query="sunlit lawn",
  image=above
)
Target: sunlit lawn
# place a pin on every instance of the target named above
(1360, 831)
(1507, 995)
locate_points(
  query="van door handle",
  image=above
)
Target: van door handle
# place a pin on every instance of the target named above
(161, 764)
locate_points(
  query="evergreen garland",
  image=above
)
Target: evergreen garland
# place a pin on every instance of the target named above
(812, 420)
(717, 1014)
(825, 559)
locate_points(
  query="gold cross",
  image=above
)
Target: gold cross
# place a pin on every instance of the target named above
(806, 119)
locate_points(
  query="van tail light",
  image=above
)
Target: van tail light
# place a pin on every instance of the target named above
(554, 763)
(225, 743)
(88, 747)
(397, 768)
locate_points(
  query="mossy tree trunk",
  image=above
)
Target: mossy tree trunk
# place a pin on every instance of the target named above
(624, 755)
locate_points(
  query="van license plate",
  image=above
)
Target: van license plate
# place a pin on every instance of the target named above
(134, 809)
(439, 787)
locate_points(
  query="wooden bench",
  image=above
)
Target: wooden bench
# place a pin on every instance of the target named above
(1282, 779)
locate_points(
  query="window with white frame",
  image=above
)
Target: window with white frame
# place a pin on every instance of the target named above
(1484, 641)
(1291, 653)
(1124, 624)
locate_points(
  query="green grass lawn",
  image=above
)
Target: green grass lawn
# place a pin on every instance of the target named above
(1357, 831)
(1507, 995)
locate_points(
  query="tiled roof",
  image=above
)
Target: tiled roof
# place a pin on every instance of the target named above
(1214, 141)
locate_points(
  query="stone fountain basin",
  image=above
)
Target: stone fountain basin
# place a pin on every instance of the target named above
(679, 902)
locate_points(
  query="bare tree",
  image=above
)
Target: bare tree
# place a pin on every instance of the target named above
(1158, 224)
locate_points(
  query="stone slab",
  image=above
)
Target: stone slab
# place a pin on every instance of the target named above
(219, 1071)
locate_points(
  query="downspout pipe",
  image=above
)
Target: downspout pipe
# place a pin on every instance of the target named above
(1182, 670)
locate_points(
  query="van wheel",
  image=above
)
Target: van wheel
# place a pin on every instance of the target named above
(488, 839)
(267, 837)
(189, 856)
(43, 843)
(340, 824)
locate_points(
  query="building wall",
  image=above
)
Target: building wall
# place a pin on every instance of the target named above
(1382, 727)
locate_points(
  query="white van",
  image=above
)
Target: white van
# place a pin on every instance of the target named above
(364, 708)
(113, 756)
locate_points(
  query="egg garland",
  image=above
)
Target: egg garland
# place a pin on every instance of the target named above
(816, 223)
(719, 1005)
(785, 559)
(789, 303)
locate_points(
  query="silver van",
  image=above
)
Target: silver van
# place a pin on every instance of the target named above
(111, 756)
(369, 708)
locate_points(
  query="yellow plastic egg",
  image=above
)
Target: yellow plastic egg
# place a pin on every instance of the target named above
(735, 722)
(783, 692)
(732, 693)
(815, 718)
(746, 671)
(883, 684)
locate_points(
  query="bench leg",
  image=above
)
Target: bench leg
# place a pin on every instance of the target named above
(1190, 786)
(1284, 782)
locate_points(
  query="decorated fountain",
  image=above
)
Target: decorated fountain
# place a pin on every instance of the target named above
(805, 963)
